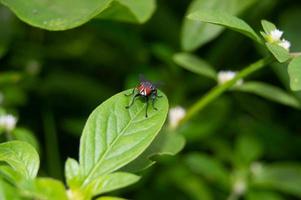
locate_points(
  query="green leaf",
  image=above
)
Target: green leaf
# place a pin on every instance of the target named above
(8, 192)
(109, 198)
(270, 92)
(280, 53)
(56, 14)
(166, 143)
(7, 29)
(208, 167)
(263, 195)
(129, 10)
(284, 177)
(72, 173)
(247, 149)
(21, 156)
(26, 136)
(110, 182)
(267, 26)
(195, 64)
(227, 20)
(196, 33)
(294, 72)
(114, 136)
(44, 189)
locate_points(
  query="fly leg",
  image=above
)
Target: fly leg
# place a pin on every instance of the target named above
(146, 101)
(133, 100)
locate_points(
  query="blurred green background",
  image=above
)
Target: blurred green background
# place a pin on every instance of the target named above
(240, 147)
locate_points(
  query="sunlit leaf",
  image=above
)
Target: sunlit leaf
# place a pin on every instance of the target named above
(267, 26)
(56, 14)
(44, 188)
(21, 156)
(294, 72)
(72, 173)
(26, 136)
(114, 136)
(129, 10)
(110, 182)
(227, 20)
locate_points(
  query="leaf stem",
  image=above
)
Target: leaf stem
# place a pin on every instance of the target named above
(220, 89)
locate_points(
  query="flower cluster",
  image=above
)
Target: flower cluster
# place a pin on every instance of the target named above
(275, 37)
(225, 76)
(8, 122)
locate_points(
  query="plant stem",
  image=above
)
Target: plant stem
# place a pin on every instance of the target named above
(220, 89)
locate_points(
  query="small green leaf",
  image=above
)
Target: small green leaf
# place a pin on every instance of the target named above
(44, 188)
(26, 136)
(166, 143)
(72, 173)
(110, 182)
(195, 64)
(227, 20)
(267, 26)
(21, 156)
(294, 72)
(247, 150)
(280, 53)
(56, 14)
(270, 92)
(114, 136)
(284, 177)
(129, 10)
(208, 167)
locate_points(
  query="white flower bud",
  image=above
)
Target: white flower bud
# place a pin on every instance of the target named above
(176, 114)
(8, 122)
(239, 187)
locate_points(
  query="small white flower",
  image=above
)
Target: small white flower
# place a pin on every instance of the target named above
(239, 187)
(285, 44)
(275, 35)
(225, 76)
(175, 115)
(8, 122)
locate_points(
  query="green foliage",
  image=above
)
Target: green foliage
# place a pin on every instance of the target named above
(294, 71)
(22, 157)
(66, 14)
(270, 92)
(129, 11)
(194, 64)
(281, 54)
(227, 20)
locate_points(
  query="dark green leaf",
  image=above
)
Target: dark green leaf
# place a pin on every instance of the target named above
(294, 72)
(270, 92)
(283, 177)
(195, 64)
